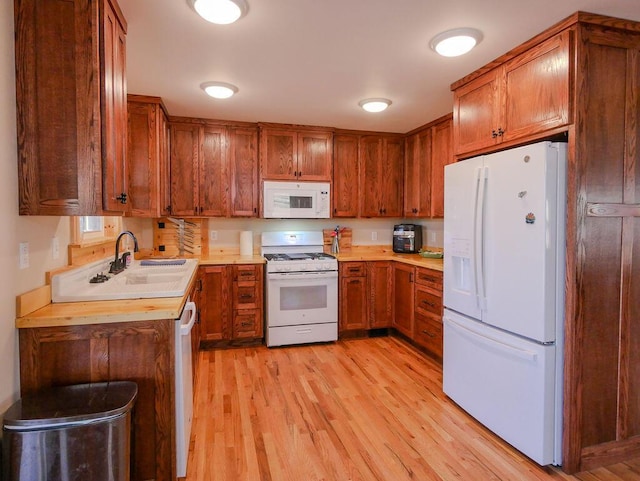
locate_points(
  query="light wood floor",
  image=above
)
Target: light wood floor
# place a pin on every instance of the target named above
(356, 410)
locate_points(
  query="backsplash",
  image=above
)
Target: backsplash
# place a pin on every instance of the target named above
(224, 234)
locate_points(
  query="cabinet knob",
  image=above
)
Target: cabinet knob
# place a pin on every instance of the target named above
(500, 132)
(494, 134)
(122, 198)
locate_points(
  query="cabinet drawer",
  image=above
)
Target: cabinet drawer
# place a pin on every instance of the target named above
(247, 323)
(352, 269)
(429, 278)
(427, 302)
(428, 333)
(245, 295)
(245, 272)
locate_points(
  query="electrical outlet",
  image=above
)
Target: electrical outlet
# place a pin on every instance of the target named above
(24, 255)
(55, 247)
(374, 235)
(213, 235)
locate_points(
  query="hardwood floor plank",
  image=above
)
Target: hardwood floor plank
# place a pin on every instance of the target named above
(355, 410)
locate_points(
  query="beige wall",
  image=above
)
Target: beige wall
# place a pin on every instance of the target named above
(37, 231)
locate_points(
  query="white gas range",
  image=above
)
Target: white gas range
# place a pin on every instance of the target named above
(301, 288)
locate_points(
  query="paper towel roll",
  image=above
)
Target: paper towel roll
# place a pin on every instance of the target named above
(246, 243)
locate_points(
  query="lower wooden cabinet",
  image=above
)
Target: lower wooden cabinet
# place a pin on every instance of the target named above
(365, 293)
(403, 298)
(427, 329)
(141, 351)
(231, 302)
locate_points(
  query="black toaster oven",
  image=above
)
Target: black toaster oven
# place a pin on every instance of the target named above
(407, 238)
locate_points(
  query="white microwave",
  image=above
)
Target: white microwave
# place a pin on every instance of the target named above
(296, 200)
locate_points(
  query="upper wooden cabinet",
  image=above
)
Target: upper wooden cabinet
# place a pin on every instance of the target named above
(427, 151)
(381, 175)
(213, 169)
(295, 154)
(520, 98)
(148, 156)
(346, 174)
(71, 106)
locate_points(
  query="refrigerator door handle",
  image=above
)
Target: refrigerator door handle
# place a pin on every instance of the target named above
(525, 354)
(478, 235)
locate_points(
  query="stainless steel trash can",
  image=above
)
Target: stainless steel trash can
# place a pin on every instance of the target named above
(70, 433)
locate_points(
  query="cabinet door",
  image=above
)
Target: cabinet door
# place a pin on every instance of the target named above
(403, 298)
(380, 291)
(215, 303)
(536, 89)
(315, 154)
(346, 170)
(243, 167)
(59, 162)
(143, 154)
(392, 172)
(441, 155)
(476, 113)
(140, 351)
(352, 296)
(185, 150)
(370, 186)
(213, 185)
(417, 174)
(114, 127)
(278, 154)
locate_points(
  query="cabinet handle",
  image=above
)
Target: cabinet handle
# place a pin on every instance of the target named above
(168, 209)
(246, 296)
(424, 331)
(384, 211)
(246, 324)
(299, 174)
(255, 210)
(199, 285)
(411, 277)
(122, 198)
(429, 303)
(353, 281)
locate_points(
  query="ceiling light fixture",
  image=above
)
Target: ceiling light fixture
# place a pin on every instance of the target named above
(374, 105)
(219, 90)
(221, 12)
(458, 41)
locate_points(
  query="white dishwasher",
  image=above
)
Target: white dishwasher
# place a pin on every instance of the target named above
(184, 385)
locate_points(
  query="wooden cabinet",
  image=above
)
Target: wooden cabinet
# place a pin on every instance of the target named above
(381, 176)
(428, 310)
(215, 312)
(141, 351)
(148, 156)
(365, 295)
(403, 298)
(518, 99)
(115, 172)
(213, 169)
(427, 151)
(417, 174)
(380, 291)
(295, 154)
(352, 296)
(346, 175)
(71, 126)
(596, 59)
(247, 296)
(441, 155)
(243, 170)
(231, 302)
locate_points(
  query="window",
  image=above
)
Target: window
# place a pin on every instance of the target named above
(94, 229)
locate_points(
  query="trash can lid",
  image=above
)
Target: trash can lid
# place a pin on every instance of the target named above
(71, 405)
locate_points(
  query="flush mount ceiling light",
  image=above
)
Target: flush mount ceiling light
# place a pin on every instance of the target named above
(221, 12)
(374, 105)
(219, 90)
(456, 42)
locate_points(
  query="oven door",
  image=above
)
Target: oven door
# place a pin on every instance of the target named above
(296, 298)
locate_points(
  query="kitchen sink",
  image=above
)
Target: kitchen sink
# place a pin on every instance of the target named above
(141, 280)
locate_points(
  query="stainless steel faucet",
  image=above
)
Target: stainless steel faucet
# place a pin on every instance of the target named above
(120, 264)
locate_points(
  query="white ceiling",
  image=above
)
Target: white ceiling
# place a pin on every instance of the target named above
(310, 61)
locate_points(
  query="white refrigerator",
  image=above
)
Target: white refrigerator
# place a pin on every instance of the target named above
(504, 245)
